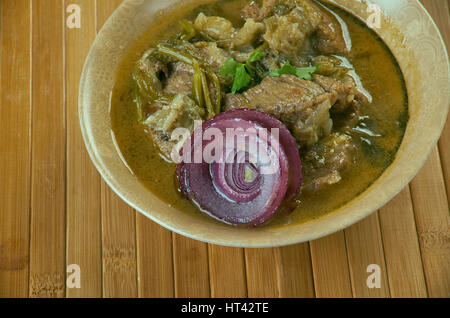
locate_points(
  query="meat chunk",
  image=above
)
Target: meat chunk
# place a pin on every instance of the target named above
(259, 9)
(151, 67)
(302, 105)
(347, 94)
(324, 163)
(288, 34)
(181, 74)
(182, 112)
(180, 80)
(328, 37)
(212, 54)
(249, 33)
(216, 27)
(306, 24)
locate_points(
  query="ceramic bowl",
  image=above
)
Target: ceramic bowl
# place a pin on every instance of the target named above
(406, 28)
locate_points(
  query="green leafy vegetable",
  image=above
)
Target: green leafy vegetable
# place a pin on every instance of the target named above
(301, 72)
(229, 68)
(242, 79)
(189, 30)
(242, 74)
(257, 55)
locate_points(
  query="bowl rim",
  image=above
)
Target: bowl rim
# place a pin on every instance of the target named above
(268, 243)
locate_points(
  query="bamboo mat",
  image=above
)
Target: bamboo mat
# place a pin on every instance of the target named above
(55, 210)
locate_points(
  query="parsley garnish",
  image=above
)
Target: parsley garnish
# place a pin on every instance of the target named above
(242, 74)
(301, 72)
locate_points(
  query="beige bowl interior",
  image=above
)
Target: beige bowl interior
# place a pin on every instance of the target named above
(405, 27)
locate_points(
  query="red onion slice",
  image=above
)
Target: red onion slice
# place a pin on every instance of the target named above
(287, 141)
(238, 186)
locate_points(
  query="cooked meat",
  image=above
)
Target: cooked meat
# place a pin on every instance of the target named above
(212, 54)
(302, 105)
(329, 37)
(249, 33)
(180, 80)
(347, 94)
(324, 163)
(151, 67)
(181, 74)
(331, 66)
(258, 9)
(290, 33)
(182, 112)
(146, 74)
(216, 27)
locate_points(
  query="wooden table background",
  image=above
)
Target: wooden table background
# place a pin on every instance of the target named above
(55, 210)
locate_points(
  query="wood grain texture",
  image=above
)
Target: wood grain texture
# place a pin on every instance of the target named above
(364, 248)
(118, 221)
(428, 191)
(191, 272)
(15, 110)
(154, 259)
(401, 248)
(330, 267)
(444, 151)
(46, 173)
(83, 181)
(262, 273)
(295, 271)
(118, 247)
(227, 272)
(440, 11)
(433, 225)
(47, 244)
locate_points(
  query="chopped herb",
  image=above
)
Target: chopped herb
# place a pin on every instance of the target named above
(301, 72)
(242, 79)
(242, 74)
(257, 55)
(229, 68)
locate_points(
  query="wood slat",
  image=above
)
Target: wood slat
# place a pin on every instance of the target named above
(47, 243)
(118, 247)
(440, 11)
(444, 150)
(401, 248)
(433, 225)
(330, 267)
(191, 272)
(83, 181)
(262, 273)
(118, 221)
(15, 115)
(364, 248)
(227, 272)
(154, 259)
(295, 271)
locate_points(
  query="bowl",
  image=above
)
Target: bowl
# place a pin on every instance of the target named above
(406, 28)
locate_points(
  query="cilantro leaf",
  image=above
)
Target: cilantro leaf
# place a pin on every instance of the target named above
(242, 74)
(286, 69)
(229, 68)
(306, 72)
(257, 55)
(242, 79)
(301, 72)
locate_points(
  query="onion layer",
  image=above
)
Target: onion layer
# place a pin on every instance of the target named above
(240, 166)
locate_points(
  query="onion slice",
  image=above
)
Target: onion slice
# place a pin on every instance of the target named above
(240, 166)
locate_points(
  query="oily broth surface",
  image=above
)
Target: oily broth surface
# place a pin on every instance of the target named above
(387, 116)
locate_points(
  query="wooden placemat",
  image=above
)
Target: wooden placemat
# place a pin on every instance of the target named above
(55, 210)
